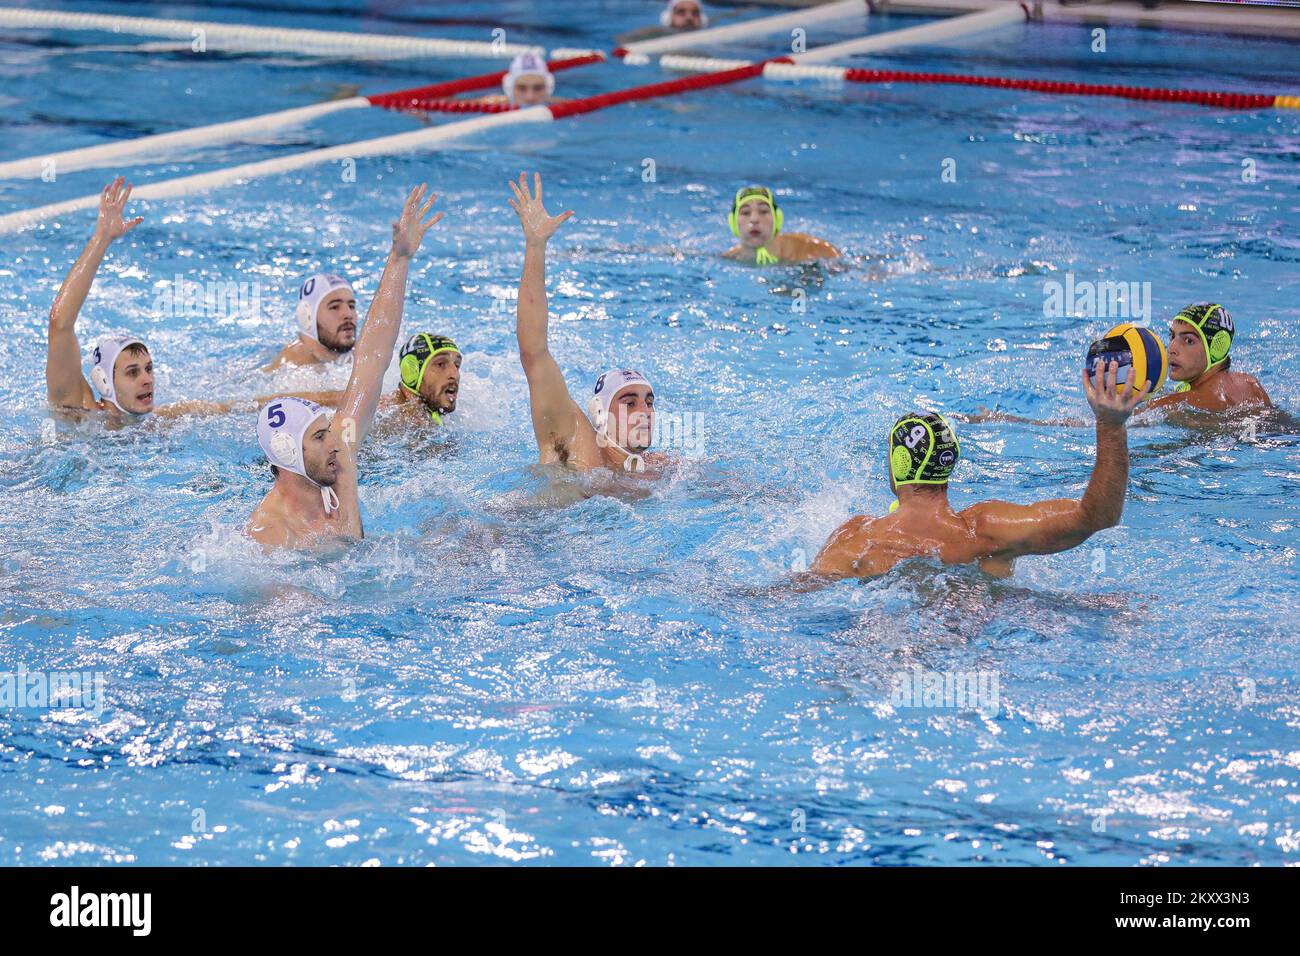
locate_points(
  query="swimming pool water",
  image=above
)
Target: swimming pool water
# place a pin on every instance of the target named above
(502, 673)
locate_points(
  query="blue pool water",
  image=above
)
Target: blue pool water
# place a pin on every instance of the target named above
(498, 674)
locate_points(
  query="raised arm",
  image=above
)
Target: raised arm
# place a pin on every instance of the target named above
(374, 349)
(1061, 524)
(64, 383)
(554, 411)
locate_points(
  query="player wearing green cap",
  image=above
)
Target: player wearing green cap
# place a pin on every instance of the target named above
(923, 451)
(1200, 338)
(757, 220)
(430, 369)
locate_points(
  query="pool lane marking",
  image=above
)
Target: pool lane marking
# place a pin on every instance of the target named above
(91, 157)
(244, 38)
(435, 96)
(201, 182)
(387, 145)
(952, 28)
(1231, 101)
(808, 65)
(762, 26)
(778, 69)
(949, 29)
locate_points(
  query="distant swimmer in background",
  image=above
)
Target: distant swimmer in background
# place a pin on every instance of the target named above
(757, 221)
(617, 436)
(313, 457)
(923, 451)
(528, 82)
(327, 323)
(430, 369)
(122, 370)
(683, 15)
(677, 16)
(1200, 338)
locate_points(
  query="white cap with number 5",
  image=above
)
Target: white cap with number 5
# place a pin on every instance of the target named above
(281, 426)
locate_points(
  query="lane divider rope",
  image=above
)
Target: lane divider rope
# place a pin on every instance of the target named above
(386, 145)
(161, 144)
(244, 38)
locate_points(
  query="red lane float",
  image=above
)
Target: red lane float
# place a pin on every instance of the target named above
(652, 90)
(425, 97)
(1233, 101)
(422, 99)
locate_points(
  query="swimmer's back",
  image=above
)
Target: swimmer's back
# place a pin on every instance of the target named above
(991, 534)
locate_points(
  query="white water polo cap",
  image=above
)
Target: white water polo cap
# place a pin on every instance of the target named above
(103, 359)
(666, 18)
(607, 386)
(310, 296)
(526, 64)
(281, 426)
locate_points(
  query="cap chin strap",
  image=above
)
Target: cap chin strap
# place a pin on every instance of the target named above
(633, 462)
(434, 415)
(764, 258)
(328, 498)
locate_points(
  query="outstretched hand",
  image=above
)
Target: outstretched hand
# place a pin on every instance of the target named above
(409, 229)
(538, 225)
(111, 202)
(1109, 404)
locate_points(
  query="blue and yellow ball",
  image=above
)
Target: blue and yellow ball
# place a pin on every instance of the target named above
(1140, 353)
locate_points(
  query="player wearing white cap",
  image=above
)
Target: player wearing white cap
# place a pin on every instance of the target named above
(528, 82)
(683, 15)
(327, 323)
(621, 408)
(313, 456)
(121, 371)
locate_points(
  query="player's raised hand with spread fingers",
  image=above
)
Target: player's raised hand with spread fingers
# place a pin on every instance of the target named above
(112, 200)
(410, 227)
(538, 225)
